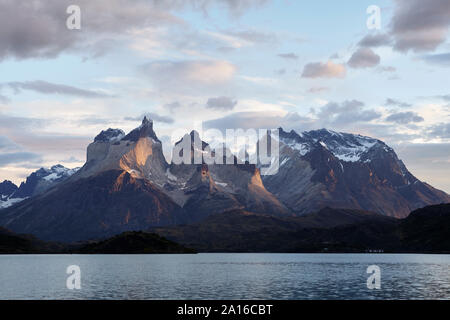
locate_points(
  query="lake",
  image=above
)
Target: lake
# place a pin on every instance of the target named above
(226, 276)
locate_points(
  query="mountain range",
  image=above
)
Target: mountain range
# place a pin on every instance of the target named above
(126, 184)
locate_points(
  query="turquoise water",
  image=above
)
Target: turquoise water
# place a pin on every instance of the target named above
(226, 276)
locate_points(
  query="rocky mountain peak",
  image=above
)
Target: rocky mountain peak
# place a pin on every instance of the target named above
(7, 188)
(110, 135)
(144, 130)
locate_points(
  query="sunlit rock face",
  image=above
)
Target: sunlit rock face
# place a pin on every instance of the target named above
(139, 153)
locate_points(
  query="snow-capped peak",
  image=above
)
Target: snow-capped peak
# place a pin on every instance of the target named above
(110, 135)
(344, 146)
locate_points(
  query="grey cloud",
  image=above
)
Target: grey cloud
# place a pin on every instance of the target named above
(221, 103)
(6, 145)
(172, 106)
(234, 7)
(37, 29)
(154, 116)
(445, 97)
(347, 112)
(34, 29)
(54, 88)
(323, 70)
(4, 99)
(18, 157)
(364, 58)
(405, 117)
(441, 130)
(397, 103)
(256, 120)
(20, 124)
(291, 56)
(11, 153)
(71, 159)
(335, 56)
(375, 40)
(420, 27)
(332, 115)
(442, 59)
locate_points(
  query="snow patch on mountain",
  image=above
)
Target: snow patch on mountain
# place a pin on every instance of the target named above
(9, 202)
(344, 146)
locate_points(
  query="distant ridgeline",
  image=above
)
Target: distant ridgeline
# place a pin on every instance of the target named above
(426, 230)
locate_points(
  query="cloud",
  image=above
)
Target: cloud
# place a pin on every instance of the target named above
(364, 58)
(37, 29)
(289, 56)
(172, 106)
(19, 157)
(445, 97)
(54, 88)
(230, 40)
(318, 89)
(438, 59)
(4, 99)
(323, 70)
(420, 27)
(347, 112)
(375, 40)
(405, 117)
(152, 116)
(386, 69)
(397, 103)
(7, 145)
(256, 120)
(221, 103)
(254, 36)
(169, 74)
(12, 153)
(20, 124)
(441, 130)
(234, 7)
(331, 115)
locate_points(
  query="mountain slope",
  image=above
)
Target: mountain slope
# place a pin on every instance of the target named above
(36, 183)
(242, 231)
(43, 179)
(95, 207)
(427, 229)
(325, 168)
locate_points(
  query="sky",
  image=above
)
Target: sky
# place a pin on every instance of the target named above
(301, 65)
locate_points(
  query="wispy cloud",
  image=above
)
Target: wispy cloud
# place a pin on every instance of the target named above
(221, 103)
(45, 87)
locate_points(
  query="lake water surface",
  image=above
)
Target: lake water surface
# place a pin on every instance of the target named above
(226, 276)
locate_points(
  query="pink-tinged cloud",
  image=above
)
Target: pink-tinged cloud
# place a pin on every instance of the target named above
(324, 70)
